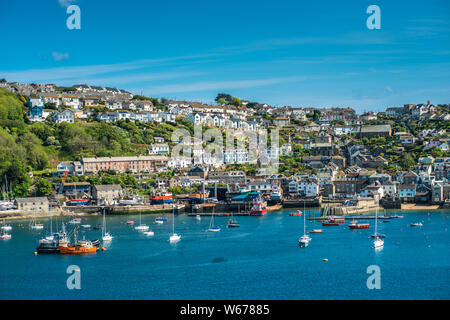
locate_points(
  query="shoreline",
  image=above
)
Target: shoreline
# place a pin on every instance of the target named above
(62, 213)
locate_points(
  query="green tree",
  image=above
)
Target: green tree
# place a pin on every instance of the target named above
(43, 187)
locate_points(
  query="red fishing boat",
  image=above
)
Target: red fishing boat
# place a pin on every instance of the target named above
(333, 222)
(161, 198)
(259, 208)
(355, 225)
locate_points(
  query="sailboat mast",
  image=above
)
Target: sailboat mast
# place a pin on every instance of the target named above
(173, 220)
(376, 220)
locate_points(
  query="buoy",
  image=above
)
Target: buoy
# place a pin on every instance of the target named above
(325, 259)
(103, 249)
(35, 253)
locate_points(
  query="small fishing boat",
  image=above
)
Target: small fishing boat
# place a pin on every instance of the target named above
(78, 247)
(416, 224)
(5, 236)
(233, 224)
(142, 227)
(98, 227)
(86, 226)
(386, 221)
(397, 216)
(75, 221)
(296, 214)
(160, 220)
(149, 233)
(198, 218)
(259, 208)
(355, 225)
(130, 222)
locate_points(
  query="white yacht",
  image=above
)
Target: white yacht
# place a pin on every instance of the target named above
(378, 242)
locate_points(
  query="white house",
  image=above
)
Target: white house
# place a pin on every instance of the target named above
(179, 162)
(306, 188)
(113, 105)
(235, 156)
(71, 102)
(286, 150)
(63, 116)
(159, 148)
(389, 189)
(196, 118)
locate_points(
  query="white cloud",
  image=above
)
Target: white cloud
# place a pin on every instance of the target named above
(58, 56)
(65, 3)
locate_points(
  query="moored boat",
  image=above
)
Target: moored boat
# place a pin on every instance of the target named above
(355, 225)
(259, 208)
(78, 247)
(78, 202)
(6, 227)
(196, 198)
(75, 221)
(5, 236)
(161, 198)
(333, 221)
(296, 213)
(233, 224)
(378, 242)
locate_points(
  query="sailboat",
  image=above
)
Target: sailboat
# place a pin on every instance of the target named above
(378, 242)
(212, 228)
(304, 239)
(36, 226)
(141, 227)
(174, 237)
(314, 230)
(6, 227)
(106, 236)
(233, 223)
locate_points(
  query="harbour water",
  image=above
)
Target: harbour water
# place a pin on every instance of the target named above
(259, 260)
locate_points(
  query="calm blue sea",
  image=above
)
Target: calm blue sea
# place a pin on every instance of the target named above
(259, 260)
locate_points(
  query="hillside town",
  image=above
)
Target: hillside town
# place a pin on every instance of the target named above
(329, 157)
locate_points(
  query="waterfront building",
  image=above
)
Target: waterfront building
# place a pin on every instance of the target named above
(122, 164)
(107, 194)
(33, 205)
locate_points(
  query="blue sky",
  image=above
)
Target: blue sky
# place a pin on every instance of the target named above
(298, 53)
